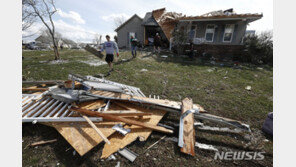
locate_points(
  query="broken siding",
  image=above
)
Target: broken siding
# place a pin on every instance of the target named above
(134, 25)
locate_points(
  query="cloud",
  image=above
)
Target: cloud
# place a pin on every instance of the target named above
(110, 18)
(70, 31)
(74, 16)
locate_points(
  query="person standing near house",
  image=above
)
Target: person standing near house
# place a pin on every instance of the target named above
(110, 47)
(191, 51)
(157, 43)
(134, 43)
(115, 39)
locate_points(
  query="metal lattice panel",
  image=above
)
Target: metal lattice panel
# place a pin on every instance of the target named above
(47, 109)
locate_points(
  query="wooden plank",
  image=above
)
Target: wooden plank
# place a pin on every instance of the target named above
(188, 132)
(34, 89)
(92, 105)
(124, 106)
(126, 113)
(96, 129)
(43, 82)
(119, 141)
(165, 102)
(121, 119)
(43, 142)
(81, 136)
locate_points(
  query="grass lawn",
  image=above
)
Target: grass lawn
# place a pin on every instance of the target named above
(219, 88)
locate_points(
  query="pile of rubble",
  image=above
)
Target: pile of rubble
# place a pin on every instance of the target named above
(87, 110)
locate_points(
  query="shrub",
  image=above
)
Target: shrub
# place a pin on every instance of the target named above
(259, 49)
(180, 38)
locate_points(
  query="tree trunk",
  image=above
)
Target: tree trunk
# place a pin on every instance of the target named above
(56, 53)
(55, 48)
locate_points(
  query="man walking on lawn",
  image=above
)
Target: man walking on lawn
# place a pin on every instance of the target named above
(109, 47)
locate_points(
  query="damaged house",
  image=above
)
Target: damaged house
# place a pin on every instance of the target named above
(218, 32)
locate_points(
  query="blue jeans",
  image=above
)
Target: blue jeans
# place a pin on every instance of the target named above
(134, 50)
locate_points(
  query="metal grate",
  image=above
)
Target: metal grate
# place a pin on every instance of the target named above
(47, 109)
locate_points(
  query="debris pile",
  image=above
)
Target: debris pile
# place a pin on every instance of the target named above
(87, 110)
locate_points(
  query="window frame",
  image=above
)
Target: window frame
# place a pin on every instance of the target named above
(207, 32)
(231, 33)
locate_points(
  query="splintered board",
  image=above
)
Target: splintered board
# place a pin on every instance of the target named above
(188, 132)
(119, 141)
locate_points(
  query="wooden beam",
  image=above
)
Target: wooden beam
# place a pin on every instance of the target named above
(96, 129)
(188, 132)
(125, 120)
(34, 89)
(43, 82)
(125, 113)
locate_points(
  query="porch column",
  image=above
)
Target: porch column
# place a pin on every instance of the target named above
(144, 41)
(189, 27)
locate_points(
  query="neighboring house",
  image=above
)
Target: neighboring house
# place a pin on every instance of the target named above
(45, 42)
(67, 43)
(213, 28)
(131, 27)
(143, 29)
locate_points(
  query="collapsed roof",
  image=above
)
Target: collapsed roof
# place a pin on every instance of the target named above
(166, 20)
(228, 14)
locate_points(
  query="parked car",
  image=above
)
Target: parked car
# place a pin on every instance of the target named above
(32, 46)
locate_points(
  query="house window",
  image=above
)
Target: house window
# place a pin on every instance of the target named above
(210, 32)
(228, 33)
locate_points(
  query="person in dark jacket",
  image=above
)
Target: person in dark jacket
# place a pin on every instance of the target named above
(134, 43)
(157, 43)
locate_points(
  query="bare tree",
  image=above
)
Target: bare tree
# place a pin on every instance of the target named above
(44, 9)
(28, 17)
(97, 39)
(119, 20)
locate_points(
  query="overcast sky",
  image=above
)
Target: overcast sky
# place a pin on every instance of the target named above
(81, 20)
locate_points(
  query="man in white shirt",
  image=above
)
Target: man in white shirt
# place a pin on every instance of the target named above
(110, 47)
